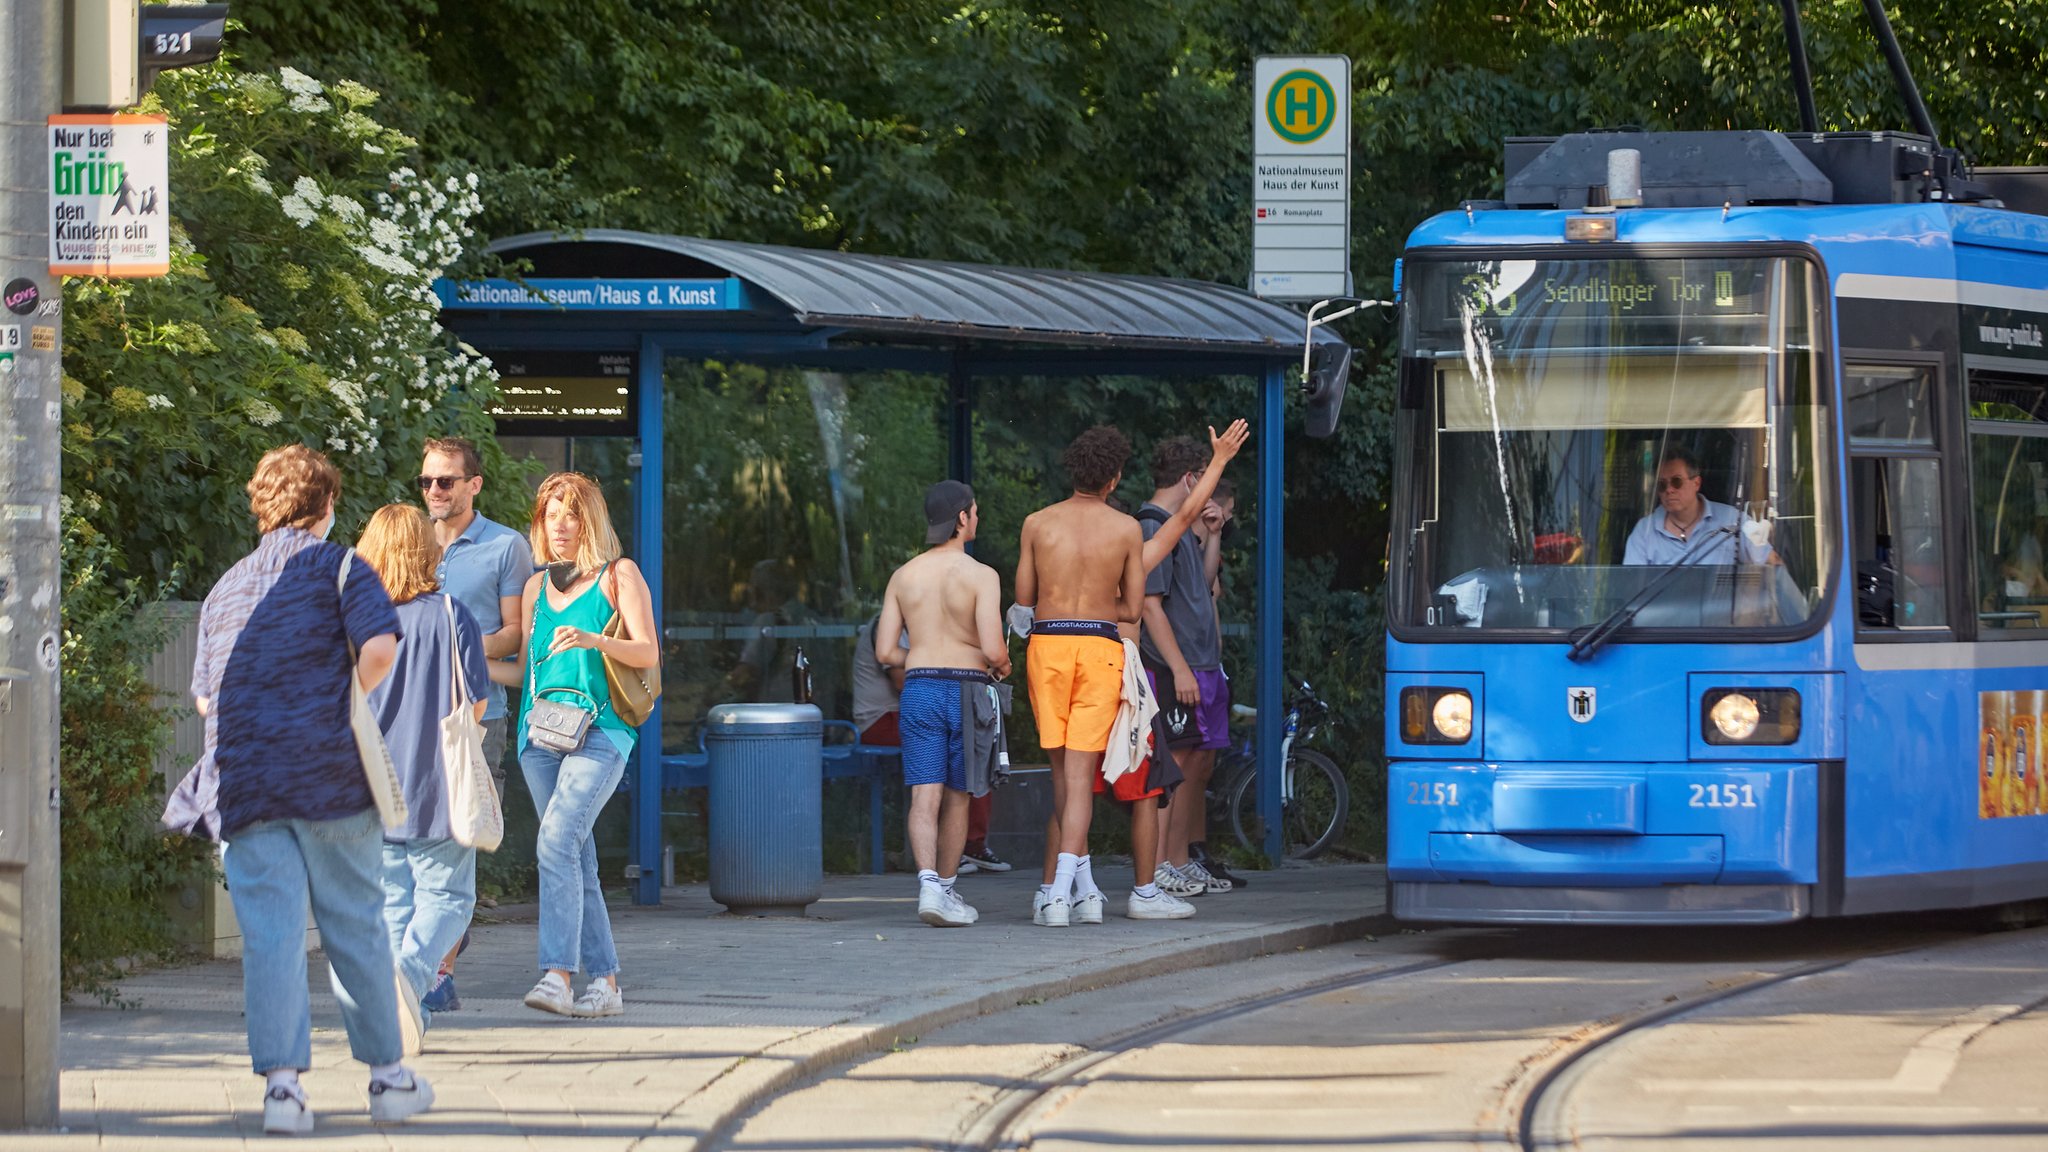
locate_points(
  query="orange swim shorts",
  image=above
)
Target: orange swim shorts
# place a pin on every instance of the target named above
(1076, 677)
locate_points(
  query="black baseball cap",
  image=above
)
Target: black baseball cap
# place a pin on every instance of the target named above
(943, 504)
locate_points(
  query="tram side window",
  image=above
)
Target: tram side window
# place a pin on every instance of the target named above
(2009, 500)
(1895, 492)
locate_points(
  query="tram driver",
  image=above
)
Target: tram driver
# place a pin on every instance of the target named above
(1684, 519)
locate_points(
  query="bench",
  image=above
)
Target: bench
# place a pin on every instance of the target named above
(875, 763)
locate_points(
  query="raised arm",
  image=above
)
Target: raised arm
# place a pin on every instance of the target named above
(1222, 449)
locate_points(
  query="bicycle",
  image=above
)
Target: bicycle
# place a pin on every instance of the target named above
(1314, 797)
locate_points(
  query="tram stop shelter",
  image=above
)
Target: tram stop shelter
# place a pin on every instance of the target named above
(582, 340)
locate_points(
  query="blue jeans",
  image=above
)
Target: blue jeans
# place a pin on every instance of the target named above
(429, 894)
(273, 868)
(568, 792)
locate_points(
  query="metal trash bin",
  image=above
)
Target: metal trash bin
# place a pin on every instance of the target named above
(767, 835)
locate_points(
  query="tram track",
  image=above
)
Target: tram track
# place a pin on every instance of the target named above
(1537, 1096)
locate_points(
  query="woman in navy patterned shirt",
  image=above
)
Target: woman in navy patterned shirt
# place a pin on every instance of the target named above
(271, 679)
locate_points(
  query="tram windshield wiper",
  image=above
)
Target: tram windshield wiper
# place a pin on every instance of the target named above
(1595, 638)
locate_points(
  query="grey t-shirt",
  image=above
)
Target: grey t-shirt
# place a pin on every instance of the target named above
(874, 696)
(1189, 611)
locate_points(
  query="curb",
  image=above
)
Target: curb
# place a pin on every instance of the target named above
(786, 1063)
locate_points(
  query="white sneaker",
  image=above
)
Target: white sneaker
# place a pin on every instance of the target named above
(552, 995)
(1088, 909)
(941, 907)
(412, 1027)
(1164, 906)
(601, 998)
(1057, 913)
(967, 867)
(1200, 875)
(286, 1113)
(391, 1102)
(1039, 899)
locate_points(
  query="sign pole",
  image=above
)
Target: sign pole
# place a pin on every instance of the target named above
(30, 409)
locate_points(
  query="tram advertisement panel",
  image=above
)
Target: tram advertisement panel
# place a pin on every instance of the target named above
(2010, 746)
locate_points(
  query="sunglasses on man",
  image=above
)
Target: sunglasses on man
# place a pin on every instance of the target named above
(1674, 483)
(444, 483)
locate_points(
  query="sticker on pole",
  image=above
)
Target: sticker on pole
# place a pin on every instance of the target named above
(109, 196)
(1301, 181)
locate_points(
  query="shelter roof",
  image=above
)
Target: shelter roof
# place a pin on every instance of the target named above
(894, 299)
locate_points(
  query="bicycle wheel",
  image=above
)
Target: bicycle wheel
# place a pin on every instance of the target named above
(1310, 821)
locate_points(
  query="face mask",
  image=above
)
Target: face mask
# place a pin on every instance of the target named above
(326, 526)
(2015, 587)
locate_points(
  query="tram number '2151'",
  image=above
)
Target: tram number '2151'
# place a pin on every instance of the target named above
(1722, 796)
(1436, 794)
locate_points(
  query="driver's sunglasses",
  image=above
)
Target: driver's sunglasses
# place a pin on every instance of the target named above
(1671, 483)
(444, 483)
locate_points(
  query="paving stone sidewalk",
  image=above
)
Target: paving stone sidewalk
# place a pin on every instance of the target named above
(721, 1012)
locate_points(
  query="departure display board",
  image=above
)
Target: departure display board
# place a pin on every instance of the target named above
(556, 393)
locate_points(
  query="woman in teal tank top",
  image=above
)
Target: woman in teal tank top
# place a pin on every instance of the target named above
(565, 653)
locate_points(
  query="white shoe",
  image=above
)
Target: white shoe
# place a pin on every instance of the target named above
(390, 1103)
(1088, 909)
(941, 907)
(1057, 914)
(552, 995)
(412, 1026)
(967, 867)
(1164, 906)
(1039, 899)
(286, 1113)
(1200, 875)
(601, 998)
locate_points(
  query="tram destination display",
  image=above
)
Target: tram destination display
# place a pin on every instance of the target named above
(557, 393)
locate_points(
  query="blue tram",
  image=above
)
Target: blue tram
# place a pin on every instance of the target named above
(1716, 583)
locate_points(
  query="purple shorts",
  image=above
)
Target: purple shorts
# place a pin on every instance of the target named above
(1206, 725)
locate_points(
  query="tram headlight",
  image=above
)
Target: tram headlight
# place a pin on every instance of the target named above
(1452, 717)
(1436, 715)
(1750, 716)
(1736, 716)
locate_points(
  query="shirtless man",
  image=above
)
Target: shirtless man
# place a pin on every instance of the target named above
(1081, 568)
(950, 604)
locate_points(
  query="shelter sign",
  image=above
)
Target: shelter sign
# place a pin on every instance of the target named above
(110, 207)
(1301, 177)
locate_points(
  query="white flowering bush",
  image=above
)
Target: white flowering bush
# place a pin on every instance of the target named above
(299, 307)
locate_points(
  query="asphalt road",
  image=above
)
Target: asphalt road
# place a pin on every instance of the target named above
(1906, 1033)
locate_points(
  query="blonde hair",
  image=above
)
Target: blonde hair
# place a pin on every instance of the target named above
(399, 545)
(598, 544)
(292, 485)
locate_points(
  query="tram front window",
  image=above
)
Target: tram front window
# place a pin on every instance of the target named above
(1570, 430)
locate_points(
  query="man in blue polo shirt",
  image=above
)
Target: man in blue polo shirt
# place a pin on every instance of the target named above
(484, 566)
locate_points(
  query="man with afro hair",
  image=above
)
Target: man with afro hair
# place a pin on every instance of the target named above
(1081, 568)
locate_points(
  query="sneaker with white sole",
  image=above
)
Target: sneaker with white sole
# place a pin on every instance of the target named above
(1164, 906)
(986, 860)
(601, 998)
(394, 1100)
(1171, 881)
(1088, 909)
(941, 907)
(286, 1112)
(966, 867)
(552, 995)
(1057, 914)
(1200, 875)
(412, 1024)
(1039, 899)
